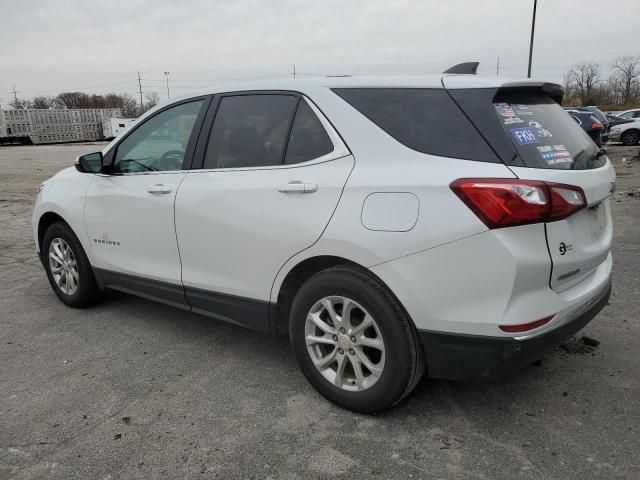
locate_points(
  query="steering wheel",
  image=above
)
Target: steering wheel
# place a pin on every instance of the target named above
(171, 160)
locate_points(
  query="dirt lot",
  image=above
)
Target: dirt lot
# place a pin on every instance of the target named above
(131, 389)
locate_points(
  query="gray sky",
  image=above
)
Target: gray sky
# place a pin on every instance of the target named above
(51, 46)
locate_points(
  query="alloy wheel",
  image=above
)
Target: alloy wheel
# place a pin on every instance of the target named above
(345, 343)
(63, 266)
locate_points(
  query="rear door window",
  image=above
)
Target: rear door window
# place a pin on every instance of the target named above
(250, 131)
(544, 135)
(423, 119)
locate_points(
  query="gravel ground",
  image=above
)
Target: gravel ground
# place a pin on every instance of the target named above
(132, 389)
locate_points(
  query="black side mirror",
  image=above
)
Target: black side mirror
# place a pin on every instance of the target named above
(89, 163)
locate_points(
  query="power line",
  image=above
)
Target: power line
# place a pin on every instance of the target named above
(140, 89)
(166, 74)
(533, 28)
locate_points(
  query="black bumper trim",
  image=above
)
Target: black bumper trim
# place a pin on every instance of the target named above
(456, 356)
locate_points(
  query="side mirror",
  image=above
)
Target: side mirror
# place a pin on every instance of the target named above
(89, 163)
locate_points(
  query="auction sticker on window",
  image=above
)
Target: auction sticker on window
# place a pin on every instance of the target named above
(555, 154)
(507, 114)
(524, 136)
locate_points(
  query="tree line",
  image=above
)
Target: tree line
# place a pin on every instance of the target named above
(585, 84)
(67, 100)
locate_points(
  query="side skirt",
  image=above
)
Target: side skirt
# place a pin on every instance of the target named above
(246, 312)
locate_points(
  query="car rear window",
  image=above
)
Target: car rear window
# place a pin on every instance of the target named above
(544, 135)
(423, 119)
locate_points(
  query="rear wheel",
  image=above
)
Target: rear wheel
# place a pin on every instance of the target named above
(630, 137)
(353, 341)
(68, 268)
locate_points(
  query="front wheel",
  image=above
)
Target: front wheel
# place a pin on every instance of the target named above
(353, 341)
(68, 268)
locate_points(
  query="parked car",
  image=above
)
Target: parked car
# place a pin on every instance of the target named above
(630, 114)
(615, 120)
(454, 224)
(627, 133)
(589, 124)
(596, 112)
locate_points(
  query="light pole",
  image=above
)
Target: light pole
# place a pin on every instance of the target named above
(167, 75)
(533, 28)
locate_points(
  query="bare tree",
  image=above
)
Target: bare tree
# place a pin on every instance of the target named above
(42, 102)
(626, 77)
(151, 100)
(581, 79)
(20, 104)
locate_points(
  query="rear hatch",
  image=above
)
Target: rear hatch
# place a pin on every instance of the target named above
(538, 140)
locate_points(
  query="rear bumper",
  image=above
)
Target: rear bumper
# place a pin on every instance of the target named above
(455, 356)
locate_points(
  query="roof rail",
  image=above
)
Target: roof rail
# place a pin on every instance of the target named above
(468, 68)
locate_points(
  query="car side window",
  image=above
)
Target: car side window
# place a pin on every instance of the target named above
(159, 144)
(627, 115)
(250, 131)
(308, 139)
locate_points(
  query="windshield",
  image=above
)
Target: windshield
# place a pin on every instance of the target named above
(544, 135)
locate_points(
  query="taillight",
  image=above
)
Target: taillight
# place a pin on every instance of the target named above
(596, 126)
(500, 202)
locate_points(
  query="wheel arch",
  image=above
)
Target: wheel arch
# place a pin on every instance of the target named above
(299, 274)
(45, 221)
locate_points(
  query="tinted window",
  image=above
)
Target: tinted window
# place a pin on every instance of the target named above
(308, 138)
(544, 135)
(250, 131)
(160, 143)
(426, 120)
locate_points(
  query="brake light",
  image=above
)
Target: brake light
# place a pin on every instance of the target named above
(596, 126)
(501, 202)
(525, 327)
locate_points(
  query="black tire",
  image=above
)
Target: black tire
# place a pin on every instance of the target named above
(404, 359)
(87, 293)
(630, 138)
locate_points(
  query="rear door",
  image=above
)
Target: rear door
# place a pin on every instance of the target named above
(271, 177)
(553, 148)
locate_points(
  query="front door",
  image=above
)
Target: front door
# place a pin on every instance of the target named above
(129, 213)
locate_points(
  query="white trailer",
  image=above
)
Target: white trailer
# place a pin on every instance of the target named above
(112, 127)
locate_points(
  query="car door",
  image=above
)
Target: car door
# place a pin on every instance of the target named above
(272, 175)
(129, 212)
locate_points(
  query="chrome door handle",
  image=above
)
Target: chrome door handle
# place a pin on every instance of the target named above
(298, 187)
(159, 189)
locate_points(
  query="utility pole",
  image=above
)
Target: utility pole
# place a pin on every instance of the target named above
(167, 75)
(294, 71)
(533, 28)
(15, 96)
(498, 67)
(140, 89)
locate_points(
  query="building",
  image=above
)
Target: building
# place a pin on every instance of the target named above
(54, 125)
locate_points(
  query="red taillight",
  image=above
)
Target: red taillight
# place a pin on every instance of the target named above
(525, 327)
(596, 126)
(501, 202)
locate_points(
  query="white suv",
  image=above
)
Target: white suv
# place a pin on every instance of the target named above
(388, 225)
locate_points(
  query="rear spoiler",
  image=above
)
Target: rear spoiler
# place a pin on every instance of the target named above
(554, 90)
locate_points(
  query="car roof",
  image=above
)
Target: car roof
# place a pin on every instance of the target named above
(384, 81)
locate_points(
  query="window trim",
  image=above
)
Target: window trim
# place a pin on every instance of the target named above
(191, 144)
(340, 148)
